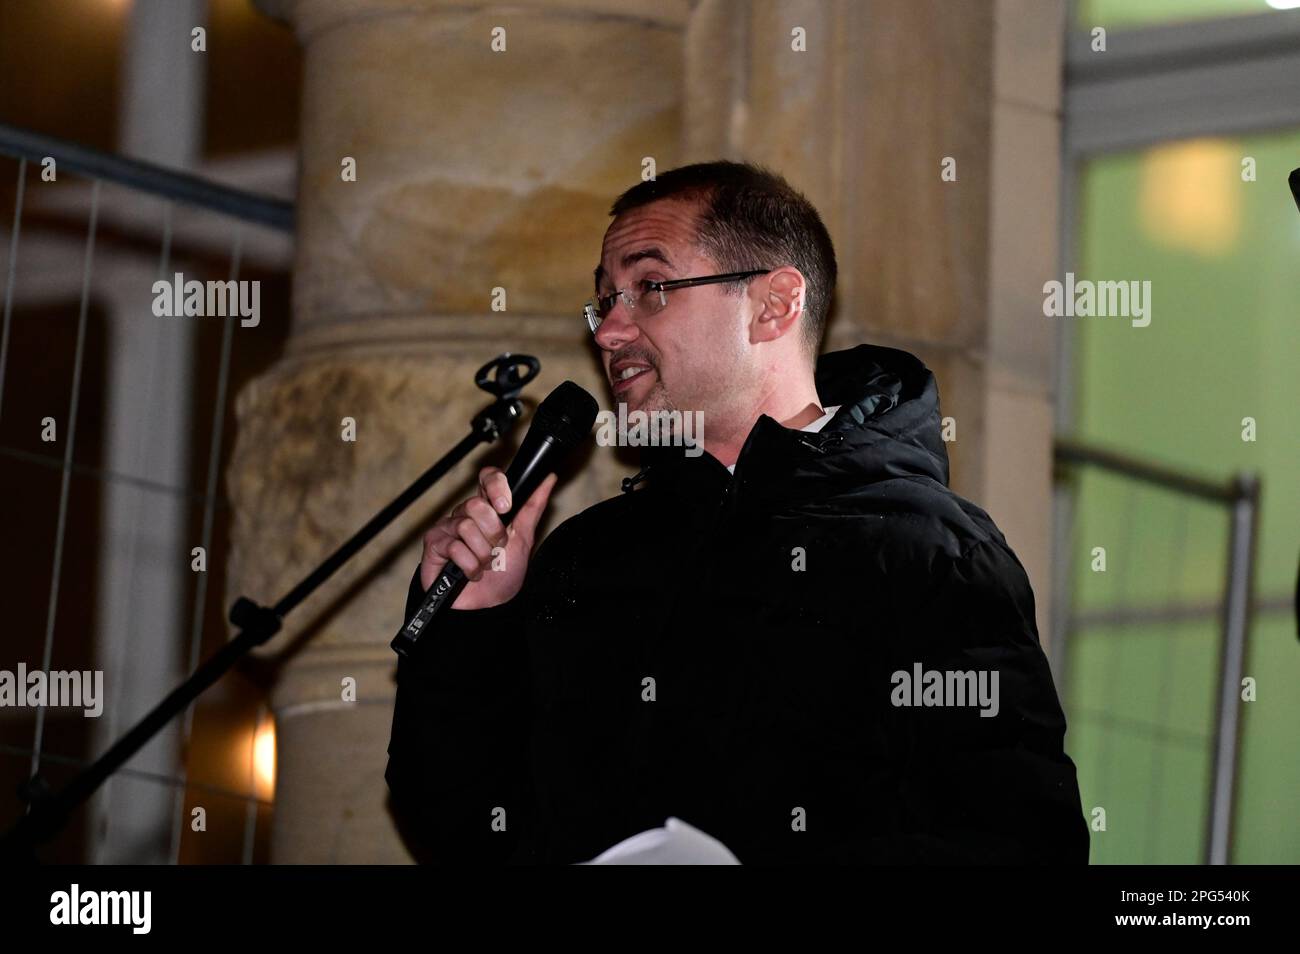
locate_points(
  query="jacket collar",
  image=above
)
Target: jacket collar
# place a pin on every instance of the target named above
(887, 426)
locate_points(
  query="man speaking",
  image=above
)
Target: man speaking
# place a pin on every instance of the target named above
(800, 642)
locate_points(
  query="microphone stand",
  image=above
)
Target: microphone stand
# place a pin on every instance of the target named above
(48, 812)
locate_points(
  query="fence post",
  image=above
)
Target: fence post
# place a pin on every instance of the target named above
(1232, 661)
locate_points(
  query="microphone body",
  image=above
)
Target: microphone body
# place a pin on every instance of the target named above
(562, 422)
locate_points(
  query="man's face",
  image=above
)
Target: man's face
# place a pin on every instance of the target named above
(694, 351)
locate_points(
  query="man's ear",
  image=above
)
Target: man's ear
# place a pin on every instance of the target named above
(779, 303)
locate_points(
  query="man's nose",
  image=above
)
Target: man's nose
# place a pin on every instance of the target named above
(617, 328)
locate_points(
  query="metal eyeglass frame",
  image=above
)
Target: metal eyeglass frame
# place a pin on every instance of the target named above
(591, 309)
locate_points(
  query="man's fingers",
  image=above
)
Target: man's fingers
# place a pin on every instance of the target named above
(464, 558)
(431, 564)
(486, 519)
(435, 544)
(495, 488)
(473, 537)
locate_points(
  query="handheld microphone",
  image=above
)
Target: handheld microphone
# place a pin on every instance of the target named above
(562, 422)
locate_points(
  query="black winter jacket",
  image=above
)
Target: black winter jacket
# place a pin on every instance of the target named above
(725, 649)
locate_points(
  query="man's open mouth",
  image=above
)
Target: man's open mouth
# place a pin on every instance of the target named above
(624, 376)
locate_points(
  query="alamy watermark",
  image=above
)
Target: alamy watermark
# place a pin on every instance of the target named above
(75, 906)
(61, 689)
(947, 688)
(193, 298)
(1088, 299)
(651, 429)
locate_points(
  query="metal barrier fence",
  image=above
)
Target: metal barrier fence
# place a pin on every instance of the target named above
(169, 188)
(1238, 499)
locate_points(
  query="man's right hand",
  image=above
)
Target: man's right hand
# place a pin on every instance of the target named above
(469, 533)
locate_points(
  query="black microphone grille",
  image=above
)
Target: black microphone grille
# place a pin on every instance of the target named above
(567, 414)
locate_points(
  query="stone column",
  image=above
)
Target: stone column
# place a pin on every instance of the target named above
(861, 119)
(1024, 248)
(488, 143)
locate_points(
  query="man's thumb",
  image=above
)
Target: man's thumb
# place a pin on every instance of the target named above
(527, 518)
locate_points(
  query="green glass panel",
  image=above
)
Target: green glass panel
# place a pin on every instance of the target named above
(1218, 364)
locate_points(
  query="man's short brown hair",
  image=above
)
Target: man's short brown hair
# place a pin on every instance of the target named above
(750, 217)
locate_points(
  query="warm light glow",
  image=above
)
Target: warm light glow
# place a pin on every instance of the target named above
(264, 758)
(1190, 195)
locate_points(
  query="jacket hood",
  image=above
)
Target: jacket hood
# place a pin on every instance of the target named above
(887, 426)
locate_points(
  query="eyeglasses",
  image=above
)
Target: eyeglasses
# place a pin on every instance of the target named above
(651, 297)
